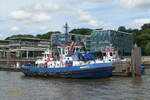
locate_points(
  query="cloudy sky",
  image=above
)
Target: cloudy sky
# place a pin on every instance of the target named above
(39, 16)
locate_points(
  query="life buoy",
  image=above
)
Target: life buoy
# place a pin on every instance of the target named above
(69, 63)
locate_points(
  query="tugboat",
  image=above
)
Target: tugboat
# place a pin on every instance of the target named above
(71, 63)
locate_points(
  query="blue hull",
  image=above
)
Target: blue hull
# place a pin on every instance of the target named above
(100, 70)
(95, 74)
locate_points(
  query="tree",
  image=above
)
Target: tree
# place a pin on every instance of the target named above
(122, 28)
(146, 26)
(145, 31)
(46, 35)
(20, 36)
(141, 37)
(142, 40)
(147, 48)
(82, 31)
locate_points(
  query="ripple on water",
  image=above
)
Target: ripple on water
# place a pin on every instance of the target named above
(14, 86)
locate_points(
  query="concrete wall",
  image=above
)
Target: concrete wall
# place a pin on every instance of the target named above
(121, 66)
(145, 59)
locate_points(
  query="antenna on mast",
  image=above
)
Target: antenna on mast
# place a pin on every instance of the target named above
(66, 28)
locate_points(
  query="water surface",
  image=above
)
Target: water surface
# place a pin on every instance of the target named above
(15, 86)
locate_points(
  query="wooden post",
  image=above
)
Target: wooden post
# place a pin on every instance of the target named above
(136, 61)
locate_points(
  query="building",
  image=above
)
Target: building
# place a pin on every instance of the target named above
(19, 51)
(27, 47)
(57, 39)
(99, 40)
(106, 39)
(4, 47)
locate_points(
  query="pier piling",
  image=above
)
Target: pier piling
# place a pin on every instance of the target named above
(136, 61)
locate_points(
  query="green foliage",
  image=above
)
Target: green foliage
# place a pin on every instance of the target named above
(147, 48)
(145, 31)
(46, 35)
(82, 31)
(146, 26)
(121, 28)
(40, 36)
(142, 40)
(20, 36)
(141, 37)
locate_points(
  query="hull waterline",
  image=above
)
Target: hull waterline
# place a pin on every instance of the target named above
(87, 71)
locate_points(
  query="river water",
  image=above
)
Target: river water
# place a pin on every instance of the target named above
(15, 86)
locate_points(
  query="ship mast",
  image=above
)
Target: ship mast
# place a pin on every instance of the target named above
(66, 28)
